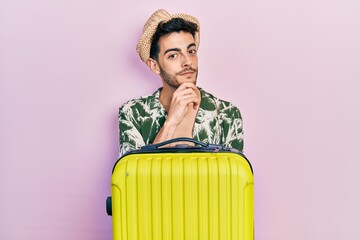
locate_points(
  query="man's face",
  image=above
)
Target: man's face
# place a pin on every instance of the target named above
(178, 59)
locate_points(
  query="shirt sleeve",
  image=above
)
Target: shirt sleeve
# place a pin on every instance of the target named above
(233, 128)
(130, 137)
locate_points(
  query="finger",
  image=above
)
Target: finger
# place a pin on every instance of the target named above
(184, 92)
(187, 85)
(184, 89)
(183, 86)
(186, 99)
(194, 88)
(196, 104)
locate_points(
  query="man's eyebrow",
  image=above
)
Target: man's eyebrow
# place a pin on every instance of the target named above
(191, 45)
(172, 49)
(178, 49)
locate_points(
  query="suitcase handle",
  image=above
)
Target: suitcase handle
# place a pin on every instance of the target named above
(181, 139)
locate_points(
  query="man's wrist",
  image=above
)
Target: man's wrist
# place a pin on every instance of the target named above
(169, 126)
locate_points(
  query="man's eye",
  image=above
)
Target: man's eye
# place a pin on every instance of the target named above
(192, 51)
(172, 56)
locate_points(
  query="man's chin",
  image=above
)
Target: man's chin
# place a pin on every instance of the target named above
(191, 80)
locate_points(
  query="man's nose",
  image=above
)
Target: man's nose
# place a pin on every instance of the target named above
(187, 61)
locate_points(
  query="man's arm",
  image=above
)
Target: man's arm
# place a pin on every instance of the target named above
(165, 133)
(129, 135)
(183, 107)
(233, 128)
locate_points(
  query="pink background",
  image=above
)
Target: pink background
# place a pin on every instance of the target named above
(292, 67)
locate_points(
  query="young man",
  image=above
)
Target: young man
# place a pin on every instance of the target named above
(169, 46)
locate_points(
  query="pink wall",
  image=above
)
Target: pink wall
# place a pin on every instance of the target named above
(292, 67)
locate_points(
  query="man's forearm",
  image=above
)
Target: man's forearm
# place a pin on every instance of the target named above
(166, 133)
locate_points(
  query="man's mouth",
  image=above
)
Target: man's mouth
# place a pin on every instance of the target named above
(187, 72)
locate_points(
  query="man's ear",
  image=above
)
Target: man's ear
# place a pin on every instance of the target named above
(153, 65)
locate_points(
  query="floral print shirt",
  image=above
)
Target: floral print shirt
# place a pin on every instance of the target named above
(217, 122)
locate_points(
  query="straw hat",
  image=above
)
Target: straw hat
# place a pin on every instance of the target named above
(161, 15)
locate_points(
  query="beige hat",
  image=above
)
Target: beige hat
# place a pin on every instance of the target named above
(161, 15)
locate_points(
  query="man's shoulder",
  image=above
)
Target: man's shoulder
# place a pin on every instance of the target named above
(140, 102)
(208, 100)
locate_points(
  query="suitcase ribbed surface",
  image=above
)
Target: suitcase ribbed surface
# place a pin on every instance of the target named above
(182, 196)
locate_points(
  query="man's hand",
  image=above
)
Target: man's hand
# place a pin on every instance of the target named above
(186, 97)
(182, 112)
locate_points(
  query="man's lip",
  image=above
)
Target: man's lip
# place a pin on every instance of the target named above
(187, 72)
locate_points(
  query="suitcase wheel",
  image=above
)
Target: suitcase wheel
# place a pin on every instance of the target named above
(108, 206)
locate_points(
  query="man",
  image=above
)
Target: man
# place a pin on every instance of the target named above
(169, 46)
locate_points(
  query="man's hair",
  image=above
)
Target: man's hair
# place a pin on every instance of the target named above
(174, 25)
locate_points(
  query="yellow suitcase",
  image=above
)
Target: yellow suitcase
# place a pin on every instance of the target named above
(182, 192)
